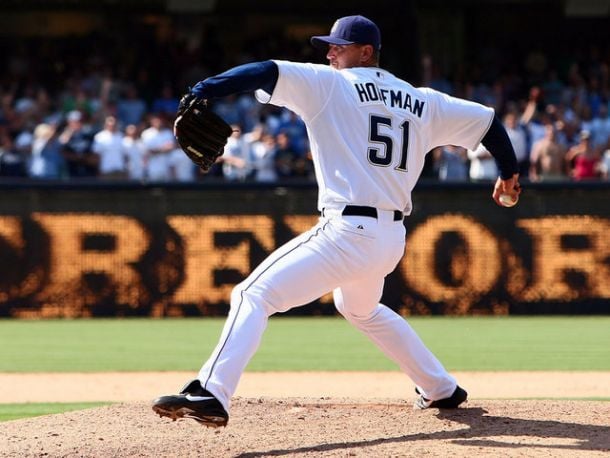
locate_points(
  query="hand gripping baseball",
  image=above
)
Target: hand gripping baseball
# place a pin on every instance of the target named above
(506, 192)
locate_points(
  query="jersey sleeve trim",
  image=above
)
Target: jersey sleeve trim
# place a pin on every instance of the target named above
(262, 96)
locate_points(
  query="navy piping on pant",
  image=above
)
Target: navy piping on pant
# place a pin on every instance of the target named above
(242, 299)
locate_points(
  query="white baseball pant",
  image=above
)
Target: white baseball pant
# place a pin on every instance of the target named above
(349, 255)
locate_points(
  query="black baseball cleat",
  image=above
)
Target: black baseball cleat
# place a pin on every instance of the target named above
(452, 402)
(192, 402)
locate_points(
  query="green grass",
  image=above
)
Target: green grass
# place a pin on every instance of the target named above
(467, 344)
(16, 411)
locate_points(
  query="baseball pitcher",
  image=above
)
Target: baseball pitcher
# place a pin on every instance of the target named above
(369, 132)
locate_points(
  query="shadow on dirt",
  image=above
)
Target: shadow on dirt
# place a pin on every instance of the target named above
(480, 430)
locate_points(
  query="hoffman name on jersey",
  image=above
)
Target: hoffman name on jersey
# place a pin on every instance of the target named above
(369, 92)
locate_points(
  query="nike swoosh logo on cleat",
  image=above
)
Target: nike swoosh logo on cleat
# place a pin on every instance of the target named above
(190, 397)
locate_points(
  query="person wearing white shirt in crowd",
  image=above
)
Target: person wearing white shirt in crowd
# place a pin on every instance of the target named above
(108, 145)
(263, 159)
(518, 137)
(482, 164)
(158, 141)
(181, 168)
(600, 128)
(236, 157)
(24, 140)
(46, 160)
(133, 149)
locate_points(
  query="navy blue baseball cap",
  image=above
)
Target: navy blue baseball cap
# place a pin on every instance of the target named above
(349, 30)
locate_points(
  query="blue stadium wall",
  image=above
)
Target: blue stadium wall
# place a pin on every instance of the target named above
(145, 250)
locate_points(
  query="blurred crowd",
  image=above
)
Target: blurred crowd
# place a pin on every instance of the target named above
(113, 119)
(136, 142)
(561, 131)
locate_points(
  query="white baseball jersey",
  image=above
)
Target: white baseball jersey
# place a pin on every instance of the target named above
(370, 131)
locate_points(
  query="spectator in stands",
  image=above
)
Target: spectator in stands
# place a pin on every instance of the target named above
(582, 159)
(286, 156)
(23, 143)
(600, 128)
(249, 111)
(482, 165)
(604, 165)
(533, 119)
(451, 163)
(271, 116)
(158, 141)
(134, 152)
(236, 157)
(305, 168)
(263, 159)
(294, 127)
(110, 88)
(75, 98)
(131, 109)
(11, 162)
(42, 82)
(548, 157)
(25, 104)
(46, 159)
(254, 135)
(586, 119)
(181, 168)
(76, 140)
(567, 132)
(108, 145)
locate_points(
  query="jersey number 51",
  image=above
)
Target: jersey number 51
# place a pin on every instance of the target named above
(382, 157)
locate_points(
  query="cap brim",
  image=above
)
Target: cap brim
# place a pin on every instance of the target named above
(324, 40)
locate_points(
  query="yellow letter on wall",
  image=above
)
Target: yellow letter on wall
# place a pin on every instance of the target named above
(203, 257)
(477, 268)
(64, 294)
(552, 259)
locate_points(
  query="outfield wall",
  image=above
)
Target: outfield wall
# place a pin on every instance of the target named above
(94, 249)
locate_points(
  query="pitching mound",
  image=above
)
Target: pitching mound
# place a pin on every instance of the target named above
(321, 427)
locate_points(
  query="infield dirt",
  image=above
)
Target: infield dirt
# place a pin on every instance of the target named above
(329, 427)
(351, 420)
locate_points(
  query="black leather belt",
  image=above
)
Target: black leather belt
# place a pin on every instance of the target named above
(358, 210)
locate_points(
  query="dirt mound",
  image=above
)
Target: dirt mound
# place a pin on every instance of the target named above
(321, 427)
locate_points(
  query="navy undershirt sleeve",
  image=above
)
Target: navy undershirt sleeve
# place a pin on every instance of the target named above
(244, 78)
(496, 141)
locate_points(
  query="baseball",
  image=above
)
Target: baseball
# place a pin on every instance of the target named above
(507, 200)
